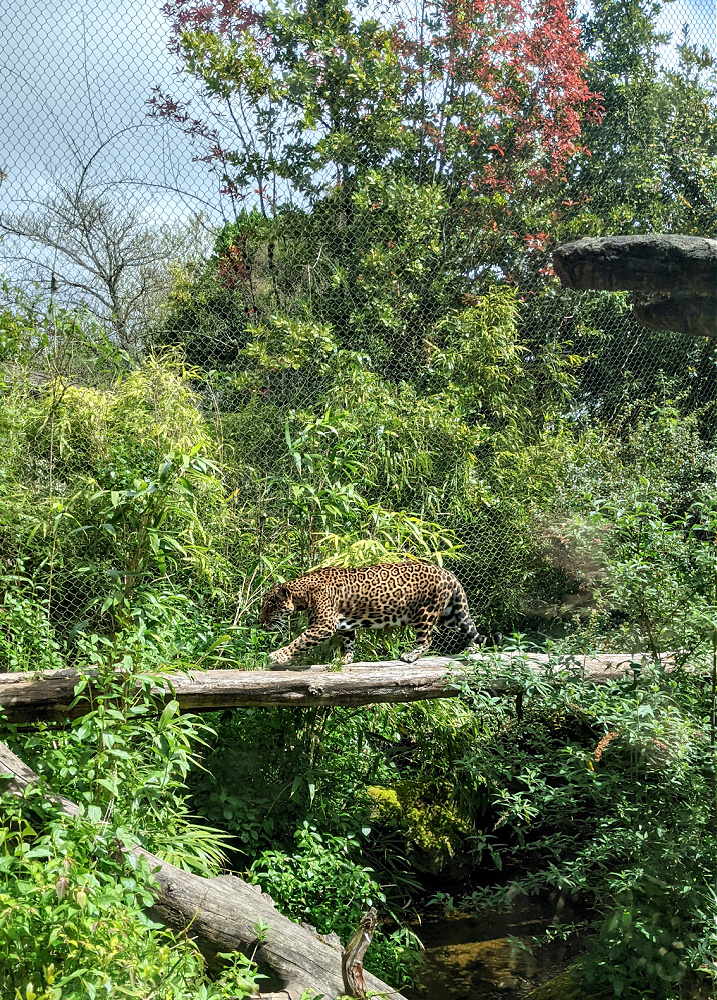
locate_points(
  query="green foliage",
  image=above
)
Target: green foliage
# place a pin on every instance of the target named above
(27, 639)
(641, 538)
(73, 927)
(73, 922)
(117, 761)
(282, 783)
(319, 882)
(288, 343)
(153, 529)
(379, 367)
(104, 432)
(17, 324)
(661, 585)
(626, 819)
(660, 123)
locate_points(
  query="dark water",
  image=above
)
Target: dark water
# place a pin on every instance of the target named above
(473, 958)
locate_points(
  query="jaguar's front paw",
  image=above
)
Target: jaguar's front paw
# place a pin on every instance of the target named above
(411, 657)
(278, 658)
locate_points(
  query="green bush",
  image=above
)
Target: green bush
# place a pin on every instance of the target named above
(72, 907)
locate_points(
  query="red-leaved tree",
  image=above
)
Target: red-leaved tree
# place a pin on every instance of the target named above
(476, 95)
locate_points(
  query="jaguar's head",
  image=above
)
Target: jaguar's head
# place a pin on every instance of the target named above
(278, 605)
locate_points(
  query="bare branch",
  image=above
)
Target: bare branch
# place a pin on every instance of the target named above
(86, 238)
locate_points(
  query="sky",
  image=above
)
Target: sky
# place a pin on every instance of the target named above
(75, 75)
(78, 75)
(700, 15)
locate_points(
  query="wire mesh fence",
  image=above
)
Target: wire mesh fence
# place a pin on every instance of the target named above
(278, 293)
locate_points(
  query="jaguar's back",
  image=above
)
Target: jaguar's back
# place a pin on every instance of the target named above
(341, 600)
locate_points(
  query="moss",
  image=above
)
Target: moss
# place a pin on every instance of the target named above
(569, 985)
(387, 806)
(424, 812)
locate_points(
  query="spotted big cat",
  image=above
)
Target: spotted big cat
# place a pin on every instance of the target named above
(338, 601)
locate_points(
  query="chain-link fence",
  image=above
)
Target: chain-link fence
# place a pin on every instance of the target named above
(305, 250)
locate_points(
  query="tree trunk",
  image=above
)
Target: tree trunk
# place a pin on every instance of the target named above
(25, 698)
(673, 278)
(222, 915)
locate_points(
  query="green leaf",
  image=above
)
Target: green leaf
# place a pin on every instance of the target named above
(170, 710)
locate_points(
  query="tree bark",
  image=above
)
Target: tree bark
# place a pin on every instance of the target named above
(673, 278)
(222, 915)
(24, 697)
(352, 960)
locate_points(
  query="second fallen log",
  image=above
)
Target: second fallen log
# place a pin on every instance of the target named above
(222, 915)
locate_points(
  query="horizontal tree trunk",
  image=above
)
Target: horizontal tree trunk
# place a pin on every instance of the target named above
(26, 698)
(222, 915)
(639, 263)
(673, 278)
(695, 315)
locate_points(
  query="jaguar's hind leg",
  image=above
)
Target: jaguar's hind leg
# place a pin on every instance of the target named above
(348, 642)
(424, 631)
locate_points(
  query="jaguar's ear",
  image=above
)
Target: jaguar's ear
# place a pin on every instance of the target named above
(283, 593)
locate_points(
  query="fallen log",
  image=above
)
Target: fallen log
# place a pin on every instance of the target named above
(673, 278)
(222, 915)
(26, 697)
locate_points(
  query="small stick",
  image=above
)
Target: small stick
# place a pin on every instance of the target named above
(352, 958)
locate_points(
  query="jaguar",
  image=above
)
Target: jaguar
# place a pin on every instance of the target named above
(338, 601)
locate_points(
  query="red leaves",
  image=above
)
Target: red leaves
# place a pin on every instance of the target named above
(228, 18)
(484, 95)
(535, 241)
(163, 106)
(233, 268)
(521, 65)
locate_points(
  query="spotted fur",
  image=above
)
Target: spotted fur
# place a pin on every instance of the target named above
(338, 601)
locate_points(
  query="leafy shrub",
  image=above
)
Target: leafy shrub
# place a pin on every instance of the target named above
(321, 884)
(27, 639)
(73, 923)
(608, 793)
